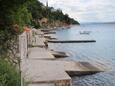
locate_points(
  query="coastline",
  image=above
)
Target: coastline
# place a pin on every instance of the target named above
(41, 59)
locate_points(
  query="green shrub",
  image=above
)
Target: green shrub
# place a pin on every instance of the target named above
(9, 75)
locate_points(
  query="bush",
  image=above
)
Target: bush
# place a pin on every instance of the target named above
(9, 75)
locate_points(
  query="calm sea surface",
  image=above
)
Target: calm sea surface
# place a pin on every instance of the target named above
(103, 51)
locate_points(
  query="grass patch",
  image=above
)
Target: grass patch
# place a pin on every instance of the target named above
(9, 75)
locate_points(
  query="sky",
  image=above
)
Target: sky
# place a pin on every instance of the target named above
(86, 10)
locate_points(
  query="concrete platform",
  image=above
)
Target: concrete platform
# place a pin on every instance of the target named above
(39, 71)
(38, 53)
(87, 69)
(42, 71)
(59, 54)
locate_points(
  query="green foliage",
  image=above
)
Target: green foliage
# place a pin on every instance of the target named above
(35, 24)
(14, 15)
(14, 12)
(6, 37)
(9, 76)
(36, 9)
(21, 17)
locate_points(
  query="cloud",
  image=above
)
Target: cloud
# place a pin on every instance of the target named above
(86, 10)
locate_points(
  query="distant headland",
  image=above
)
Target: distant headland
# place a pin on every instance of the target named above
(45, 16)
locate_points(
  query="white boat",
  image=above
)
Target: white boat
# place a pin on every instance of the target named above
(85, 32)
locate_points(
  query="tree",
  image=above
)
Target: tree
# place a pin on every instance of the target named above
(13, 16)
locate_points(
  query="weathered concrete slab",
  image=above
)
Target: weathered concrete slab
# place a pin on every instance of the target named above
(59, 54)
(39, 71)
(38, 53)
(87, 69)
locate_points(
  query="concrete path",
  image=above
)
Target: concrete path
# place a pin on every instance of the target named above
(37, 53)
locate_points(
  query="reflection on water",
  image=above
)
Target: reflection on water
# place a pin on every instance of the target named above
(103, 51)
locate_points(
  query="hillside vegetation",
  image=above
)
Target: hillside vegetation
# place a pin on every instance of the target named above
(51, 16)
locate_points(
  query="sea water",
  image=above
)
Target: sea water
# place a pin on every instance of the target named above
(102, 51)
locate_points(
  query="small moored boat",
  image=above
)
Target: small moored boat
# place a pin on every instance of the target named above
(85, 32)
